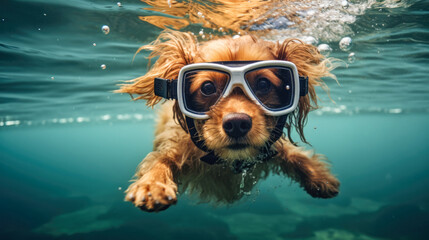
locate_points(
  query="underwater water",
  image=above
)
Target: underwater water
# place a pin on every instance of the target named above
(69, 145)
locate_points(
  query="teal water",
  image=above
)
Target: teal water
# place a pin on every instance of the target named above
(68, 145)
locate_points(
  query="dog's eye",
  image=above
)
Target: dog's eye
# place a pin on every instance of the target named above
(263, 85)
(208, 88)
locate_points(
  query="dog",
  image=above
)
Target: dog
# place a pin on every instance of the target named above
(222, 153)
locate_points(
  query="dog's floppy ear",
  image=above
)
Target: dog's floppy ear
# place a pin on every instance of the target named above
(311, 64)
(174, 50)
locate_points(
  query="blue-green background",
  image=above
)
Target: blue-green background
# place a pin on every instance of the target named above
(68, 145)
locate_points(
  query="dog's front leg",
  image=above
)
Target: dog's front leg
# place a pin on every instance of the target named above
(309, 170)
(154, 189)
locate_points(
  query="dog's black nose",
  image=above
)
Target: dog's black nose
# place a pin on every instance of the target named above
(237, 124)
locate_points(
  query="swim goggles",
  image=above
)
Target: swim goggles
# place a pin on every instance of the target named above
(274, 85)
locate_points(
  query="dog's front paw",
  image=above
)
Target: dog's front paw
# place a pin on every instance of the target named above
(151, 196)
(326, 188)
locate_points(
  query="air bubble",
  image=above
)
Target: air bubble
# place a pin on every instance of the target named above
(351, 58)
(243, 176)
(119, 4)
(311, 12)
(201, 33)
(105, 29)
(130, 196)
(119, 188)
(52, 78)
(324, 49)
(346, 44)
(345, 4)
(103, 66)
(310, 40)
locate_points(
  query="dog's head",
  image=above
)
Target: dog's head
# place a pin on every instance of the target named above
(237, 126)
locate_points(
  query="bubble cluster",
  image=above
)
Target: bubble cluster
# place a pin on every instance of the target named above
(345, 43)
(201, 33)
(80, 119)
(105, 29)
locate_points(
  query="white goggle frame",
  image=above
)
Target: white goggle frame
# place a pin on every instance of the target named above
(237, 79)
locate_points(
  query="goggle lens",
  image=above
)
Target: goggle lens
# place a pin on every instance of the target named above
(272, 86)
(203, 88)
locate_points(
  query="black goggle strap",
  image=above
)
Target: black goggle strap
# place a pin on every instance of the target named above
(303, 86)
(210, 158)
(278, 130)
(275, 135)
(167, 88)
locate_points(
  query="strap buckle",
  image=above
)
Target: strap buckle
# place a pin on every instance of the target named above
(165, 88)
(303, 86)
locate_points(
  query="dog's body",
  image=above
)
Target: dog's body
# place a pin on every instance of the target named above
(175, 159)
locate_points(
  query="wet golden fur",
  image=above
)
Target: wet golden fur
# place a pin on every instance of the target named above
(175, 160)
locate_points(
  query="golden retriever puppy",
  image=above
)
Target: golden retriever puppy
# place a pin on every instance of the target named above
(222, 128)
